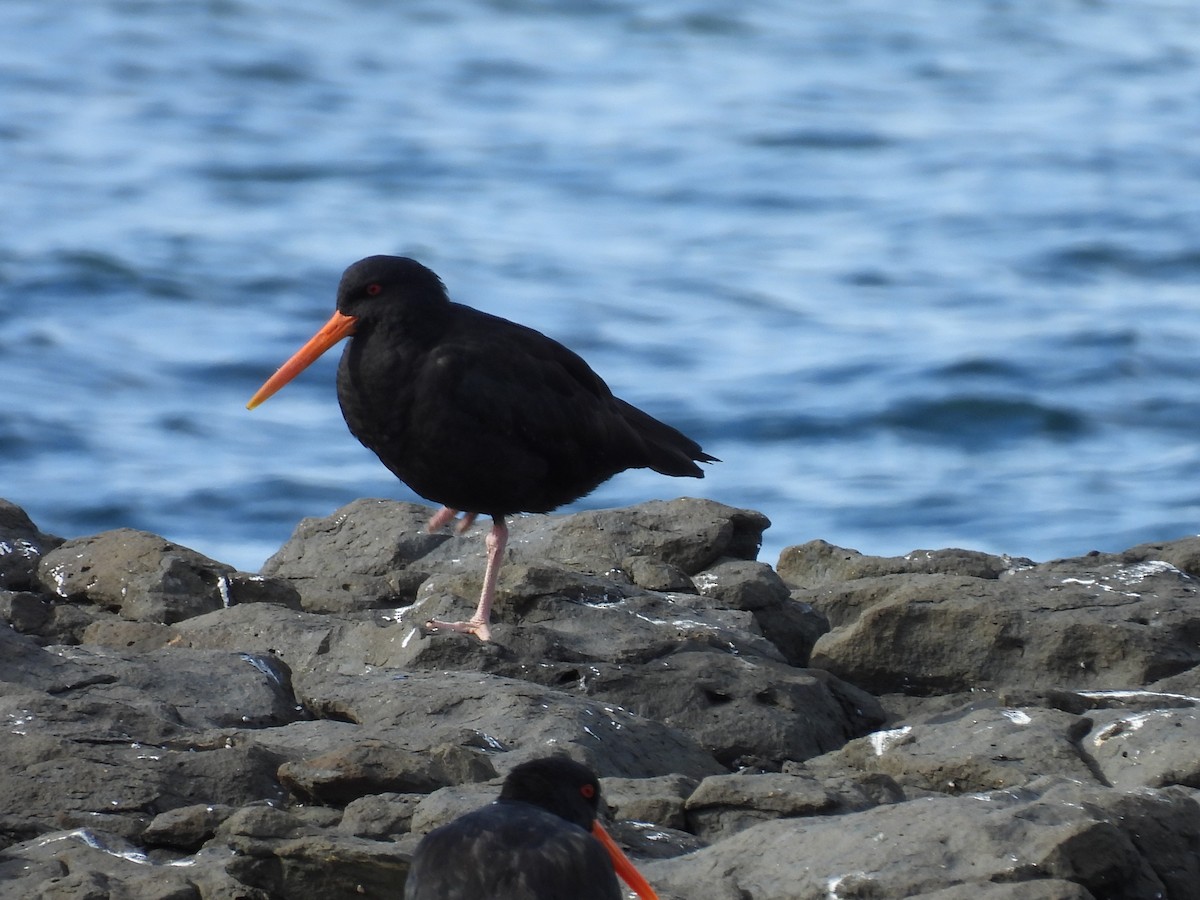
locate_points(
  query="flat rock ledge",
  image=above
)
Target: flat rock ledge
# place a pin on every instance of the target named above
(948, 725)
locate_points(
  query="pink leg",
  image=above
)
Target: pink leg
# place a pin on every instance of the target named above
(445, 515)
(440, 519)
(479, 624)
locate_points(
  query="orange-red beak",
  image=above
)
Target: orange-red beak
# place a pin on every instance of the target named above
(624, 867)
(338, 327)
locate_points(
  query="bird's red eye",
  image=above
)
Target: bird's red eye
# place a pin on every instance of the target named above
(588, 791)
(373, 289)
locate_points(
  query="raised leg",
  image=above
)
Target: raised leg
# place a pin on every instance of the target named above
(445, 515)
(479, 624)
(440, 518)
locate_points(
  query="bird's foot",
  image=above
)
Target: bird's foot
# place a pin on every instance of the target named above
(446, 515)
(476, 627)
(440, 519)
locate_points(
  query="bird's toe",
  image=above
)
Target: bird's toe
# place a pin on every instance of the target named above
(481, 630)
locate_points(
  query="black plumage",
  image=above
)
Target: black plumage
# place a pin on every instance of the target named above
(539, 841)
(475, 412)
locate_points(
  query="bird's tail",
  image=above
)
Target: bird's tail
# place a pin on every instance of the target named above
(667, 450)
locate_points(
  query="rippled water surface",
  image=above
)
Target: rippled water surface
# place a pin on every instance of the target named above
(921, 274)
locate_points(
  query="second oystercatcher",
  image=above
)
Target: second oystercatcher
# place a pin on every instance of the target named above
(539, 841)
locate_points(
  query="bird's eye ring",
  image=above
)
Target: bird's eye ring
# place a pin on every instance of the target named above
(588, 791)
(373, 289)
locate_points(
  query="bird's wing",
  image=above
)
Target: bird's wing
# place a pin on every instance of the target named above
(513, 384)
(511, 852)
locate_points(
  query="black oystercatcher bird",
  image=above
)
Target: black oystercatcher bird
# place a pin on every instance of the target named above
(531, 844)
(475, 412)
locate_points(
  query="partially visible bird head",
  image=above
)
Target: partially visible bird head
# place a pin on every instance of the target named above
(557, 784)
(571, 791)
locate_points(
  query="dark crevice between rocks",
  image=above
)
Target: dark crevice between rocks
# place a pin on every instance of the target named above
(58, 690)
(566, 677)
(1087, 759)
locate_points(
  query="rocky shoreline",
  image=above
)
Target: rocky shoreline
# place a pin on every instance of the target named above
(947, 725)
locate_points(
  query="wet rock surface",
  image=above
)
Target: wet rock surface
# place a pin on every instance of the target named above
(948, 724)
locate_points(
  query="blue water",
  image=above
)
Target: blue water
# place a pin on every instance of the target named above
(921, 274)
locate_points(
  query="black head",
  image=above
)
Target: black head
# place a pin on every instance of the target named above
(379, 283)
(557, 784)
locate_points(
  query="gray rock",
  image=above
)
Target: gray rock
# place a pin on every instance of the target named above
(1147, 748)
(448, 803)
(380, 816)
(186, 827)
(303, 641)
(52, 780)
(1046, 889)
(372, 766)
(554, 613)
(970, 750)
(654, 575)
(743, 711)
(743, 584)
(917, 847)
(285, 857)
(24, 665)
(262, 822)
(1163, 827)
(22, 545)
(90, 864)
(424, 710)
(644, 841)
(98, 694)
(553, 621)
(725, 804)
(120, 634)
(1089, 623)
(614, 642)
(687, 533)
(1039, 741)
(173, 682)
(43, 616)
(376, 553)
(655, 801)
(366, 554)
(817, 564)
(793, 627)
(25, 612)
(148, 579)
(1184, 554)
(850, 790)
(287, 743)
(94, 734)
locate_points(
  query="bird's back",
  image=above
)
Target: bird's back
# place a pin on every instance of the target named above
(511, 851)
(490, 416)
